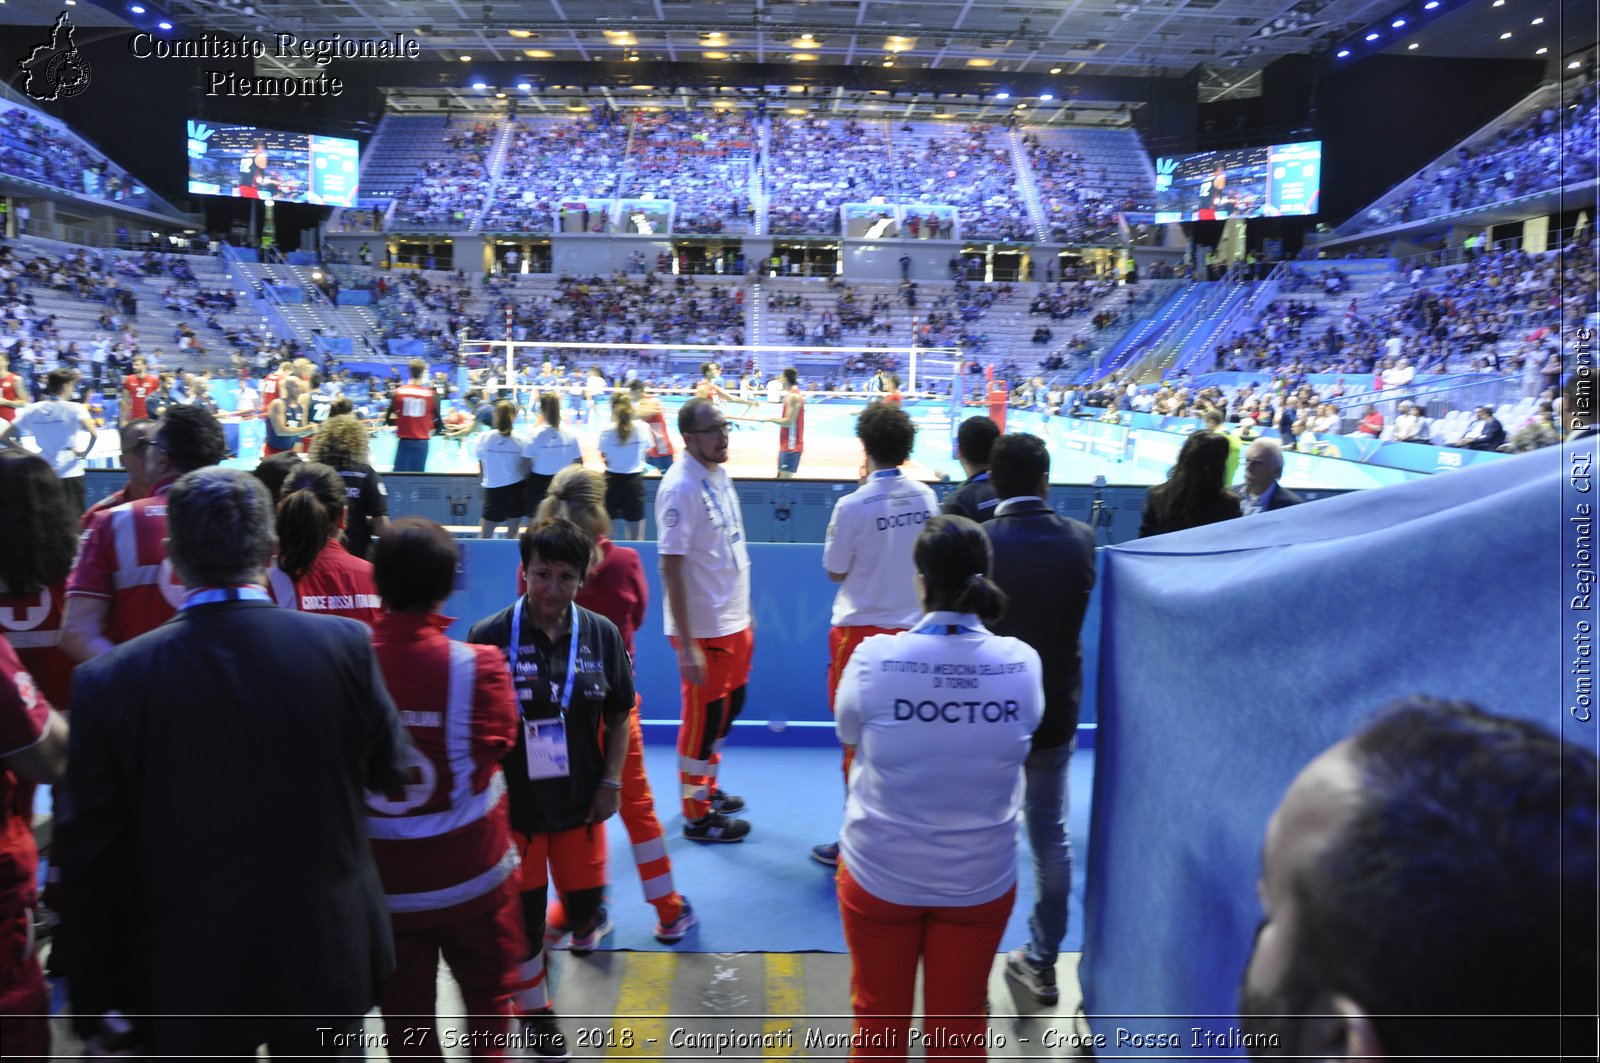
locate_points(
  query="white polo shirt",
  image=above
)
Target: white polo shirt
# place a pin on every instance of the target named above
(55, 425)
(871, 535)
(947, 700)
(625, 455)
(502, 459)
(698, 518)
(552, 449)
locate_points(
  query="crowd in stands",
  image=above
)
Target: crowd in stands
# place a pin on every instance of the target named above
(31, 149)
(699, 159)
(1079, 206)
(549, 162)
(971, 169)
(1539, 154)
(816, 166)
(449, 192)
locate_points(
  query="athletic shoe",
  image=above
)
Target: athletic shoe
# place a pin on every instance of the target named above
(826, 854)
(1040, 981)
(716, 828)
(542, 1039)
(673, 932)
(727, 804)
(583, 944)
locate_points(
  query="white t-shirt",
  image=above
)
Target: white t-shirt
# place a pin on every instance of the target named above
(503, 461)
(552, 449)
(947, 700)
(625, 455)
(870, 538)
(698, 518)
(56, 425)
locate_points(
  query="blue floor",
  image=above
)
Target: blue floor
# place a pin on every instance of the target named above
(765, 894)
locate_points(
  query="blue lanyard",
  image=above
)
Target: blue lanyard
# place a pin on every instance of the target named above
(714, 500)
(226, 594)
(928, 628)
(572, 652)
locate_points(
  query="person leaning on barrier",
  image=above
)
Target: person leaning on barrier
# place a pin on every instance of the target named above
(1428, 889)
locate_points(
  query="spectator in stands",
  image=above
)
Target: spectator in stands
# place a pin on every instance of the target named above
(1045, 566)
(976, 498)
(904, 902)
(1484, 433)
(57, 425)
(341, 445)
(1371, 424)
(1411, 426)
(1361, 954)
(451, 892)
(116, 593)
(313, 572)
(1540, 431)
(1261, 492)
(161, 887)
(1195, 491)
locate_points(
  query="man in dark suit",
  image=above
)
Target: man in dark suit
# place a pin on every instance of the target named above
(1484, 433)
(213, 842)
(1261, 491)
(1045, 564)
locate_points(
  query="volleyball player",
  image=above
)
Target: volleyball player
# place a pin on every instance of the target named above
(791, 425)
(650, 411)
(286, 419)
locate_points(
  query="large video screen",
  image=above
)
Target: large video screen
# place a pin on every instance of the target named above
(1284, 180)
(252, 163)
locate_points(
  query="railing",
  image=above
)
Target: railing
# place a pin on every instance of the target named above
(321, 307)
(276, 308)
(1437, 396)
(1031, 199)
(1162, 349)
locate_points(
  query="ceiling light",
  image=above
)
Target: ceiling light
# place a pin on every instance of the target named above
(499, 95)
(466, 59)
(520, 35)
(714, 55)
(136, 9)
(1397, 24)
(1002, 95)
(480, 86)
(1055, 70)
(538, 53)
(1046, 97)
(1541, 51)
(523, 86)
(1372, 36)
(1506, 36)
(1575, 64)
(1022, 107)
(888, 60)
(808, 36)
(1413, 46)
(1430, 5)
(1499, 3)
(801, 57)
(163, 25)
(1343, 53)
(980, 62)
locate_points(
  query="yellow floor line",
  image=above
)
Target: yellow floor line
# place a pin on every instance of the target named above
(786, 1004)
(644, 1000)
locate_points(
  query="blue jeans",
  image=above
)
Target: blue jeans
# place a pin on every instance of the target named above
(411, 455)
(1044, 808)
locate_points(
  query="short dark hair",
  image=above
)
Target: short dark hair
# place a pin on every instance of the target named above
(791, 376)
(886, 433)
(975, 438)
(955, 559)
(414, 563)
(689, 414)
(1017, 463)
(58, 380)
(1464, 884)
(274, 469)
(191, 437)
(560, 541)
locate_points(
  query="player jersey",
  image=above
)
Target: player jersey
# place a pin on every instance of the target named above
(137, 390)
(336, 583)
(794, 439)
(24, 715)
(293, 414)
(269, 388)
(31, 623)
(10, 388)
(661, 442)
(443, 844)
(321, 405)
(124, 561)
(413, 407)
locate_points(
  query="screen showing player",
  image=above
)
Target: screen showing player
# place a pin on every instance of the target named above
(253, 163)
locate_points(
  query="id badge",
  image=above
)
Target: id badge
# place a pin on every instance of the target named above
(546, 742)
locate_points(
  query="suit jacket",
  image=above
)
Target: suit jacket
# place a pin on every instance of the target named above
(1281, 498)
(213, 840)
(1045, 564)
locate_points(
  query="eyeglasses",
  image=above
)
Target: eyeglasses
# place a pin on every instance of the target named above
(721, 428)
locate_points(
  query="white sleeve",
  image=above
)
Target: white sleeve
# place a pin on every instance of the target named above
(674, 535)
(839, 545)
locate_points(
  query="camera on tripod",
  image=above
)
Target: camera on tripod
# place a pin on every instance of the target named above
(1100, 513)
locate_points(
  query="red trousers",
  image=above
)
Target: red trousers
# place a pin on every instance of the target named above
(956, 947)
(842, 642)
(709, 710)
(483, 952)
(24, 995)
(638, 812)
